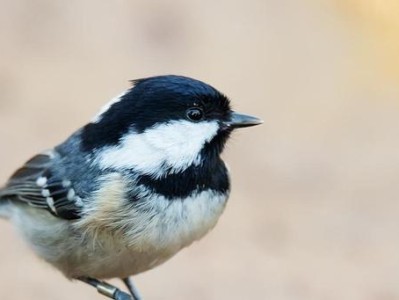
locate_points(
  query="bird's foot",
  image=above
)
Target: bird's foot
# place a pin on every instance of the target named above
(132, 289)
(107, 289)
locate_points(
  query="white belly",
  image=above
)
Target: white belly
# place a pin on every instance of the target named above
(115, 240)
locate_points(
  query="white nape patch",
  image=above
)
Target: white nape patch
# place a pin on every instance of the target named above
(107, 106)
(170, 146)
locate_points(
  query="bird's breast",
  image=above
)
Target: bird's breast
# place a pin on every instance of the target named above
(153, 222)
(174, 224)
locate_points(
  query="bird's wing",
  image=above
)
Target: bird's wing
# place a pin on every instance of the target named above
(36, 185)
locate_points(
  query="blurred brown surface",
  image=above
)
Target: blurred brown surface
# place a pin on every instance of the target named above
(314, 208)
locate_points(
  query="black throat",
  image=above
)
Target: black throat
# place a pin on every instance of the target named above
(210, 175)
(193, 180)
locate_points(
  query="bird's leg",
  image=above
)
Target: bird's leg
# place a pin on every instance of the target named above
(106, 289)
(132, 289)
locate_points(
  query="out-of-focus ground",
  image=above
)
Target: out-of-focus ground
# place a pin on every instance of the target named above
(314, 212)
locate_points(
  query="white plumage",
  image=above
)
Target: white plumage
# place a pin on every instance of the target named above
(172, 147)
(115, 239)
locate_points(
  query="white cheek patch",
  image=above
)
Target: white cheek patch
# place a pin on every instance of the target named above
(171, 146)
(106, 107)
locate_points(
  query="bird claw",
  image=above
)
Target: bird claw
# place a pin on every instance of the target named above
(107, 289)
(119, 295)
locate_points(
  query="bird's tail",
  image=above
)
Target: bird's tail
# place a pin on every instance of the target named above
(4, 207)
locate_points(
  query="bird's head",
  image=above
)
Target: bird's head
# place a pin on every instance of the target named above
(162, 125)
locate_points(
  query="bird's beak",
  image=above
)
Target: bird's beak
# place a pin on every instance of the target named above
(240, 120)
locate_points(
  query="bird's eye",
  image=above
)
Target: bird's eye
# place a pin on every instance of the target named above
(195, 114)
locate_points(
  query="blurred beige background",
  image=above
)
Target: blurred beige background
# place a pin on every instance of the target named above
(314, 212)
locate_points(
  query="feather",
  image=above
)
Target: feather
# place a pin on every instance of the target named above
(35, 185)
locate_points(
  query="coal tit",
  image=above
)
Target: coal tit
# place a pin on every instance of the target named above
(131, 188)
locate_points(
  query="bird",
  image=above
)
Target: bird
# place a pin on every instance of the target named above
(125, 192)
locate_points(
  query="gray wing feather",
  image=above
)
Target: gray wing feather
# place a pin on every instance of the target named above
(37, 185)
